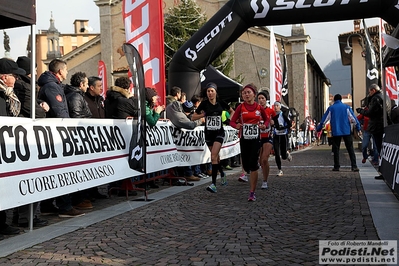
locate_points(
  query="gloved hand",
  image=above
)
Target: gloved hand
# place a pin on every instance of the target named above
(359, 110)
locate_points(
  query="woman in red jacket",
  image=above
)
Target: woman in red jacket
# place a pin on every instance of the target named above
(247, 119)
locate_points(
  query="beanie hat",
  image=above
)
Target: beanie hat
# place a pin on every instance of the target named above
(149, 93)
(337, 97)
(188, 106)
(24, 63)
(265, 94)
(277, 103)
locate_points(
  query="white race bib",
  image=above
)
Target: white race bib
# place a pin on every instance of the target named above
(250, 131)
(213, 122)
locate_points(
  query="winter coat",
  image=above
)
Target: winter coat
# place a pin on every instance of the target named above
(52, 92)
(340, 116)
(174, 112)
(22, 89)
(150, 115)
(375, 113)
(77, 105)
(119, 104)
(3, 104)
(96, 105)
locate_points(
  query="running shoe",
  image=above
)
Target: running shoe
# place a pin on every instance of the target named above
(251, 196)
(243, 178)
(289, 158)
(202, 175)
(223, 179)
(264, 185)
(280, 173)
(212, 188)
(228, 167)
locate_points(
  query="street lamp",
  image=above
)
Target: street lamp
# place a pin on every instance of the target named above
(348, 48)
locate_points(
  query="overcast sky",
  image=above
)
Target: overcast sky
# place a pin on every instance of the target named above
(323, 42)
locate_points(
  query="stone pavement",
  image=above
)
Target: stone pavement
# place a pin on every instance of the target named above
(183, 225)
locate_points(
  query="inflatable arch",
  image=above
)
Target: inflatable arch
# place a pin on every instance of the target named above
(236, 16)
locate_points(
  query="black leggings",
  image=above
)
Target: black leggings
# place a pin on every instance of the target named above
(280, 148)
(250, 154)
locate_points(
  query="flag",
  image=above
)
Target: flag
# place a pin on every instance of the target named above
(137, 147)
(391, 81)
(144, 29)
(275, 70)
(372, 75)
(102, 74)
(284, 89)
(305, 96)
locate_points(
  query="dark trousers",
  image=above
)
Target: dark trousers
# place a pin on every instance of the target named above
(336, 143)
(280, 148)
(3, 219)
(378, 141)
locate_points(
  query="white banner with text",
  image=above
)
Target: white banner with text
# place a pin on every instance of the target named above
(45, 158)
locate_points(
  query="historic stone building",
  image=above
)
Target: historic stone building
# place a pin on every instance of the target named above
(307, 82)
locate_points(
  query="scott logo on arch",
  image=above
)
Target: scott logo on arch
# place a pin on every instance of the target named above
(192, 54)
(261, 7)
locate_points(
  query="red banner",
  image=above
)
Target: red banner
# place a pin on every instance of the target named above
(276, 71)
(143, 21)
(391, 81)
(305, 96)
(102, 73)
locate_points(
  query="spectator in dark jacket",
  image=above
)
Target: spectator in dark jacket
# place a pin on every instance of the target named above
(9, 106)
(94, 99)
(120, 103)
(77, 105)
(23, 90)
(96, 105)
(52, 91)
(375, 113)
(394, 112)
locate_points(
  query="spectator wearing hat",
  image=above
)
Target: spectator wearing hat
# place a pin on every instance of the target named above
(340, 116)
(211, 110)
(9, 106)
(152, 113)
(23, 90)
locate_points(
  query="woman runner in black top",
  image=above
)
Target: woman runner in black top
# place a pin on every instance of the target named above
(211, 109)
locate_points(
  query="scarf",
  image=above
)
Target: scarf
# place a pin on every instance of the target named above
(13, 102)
